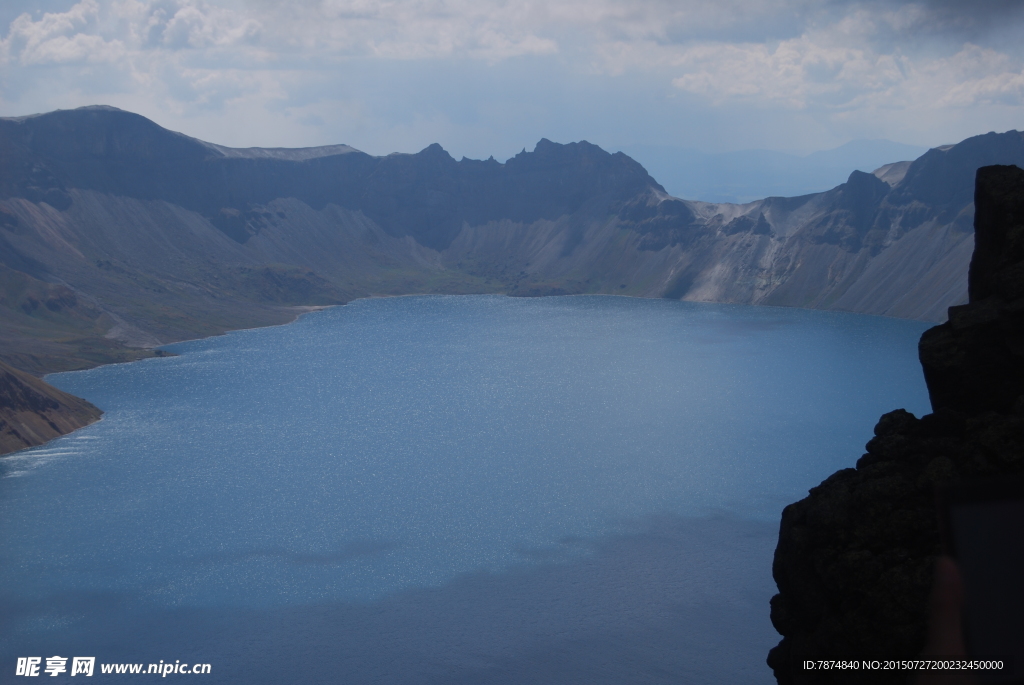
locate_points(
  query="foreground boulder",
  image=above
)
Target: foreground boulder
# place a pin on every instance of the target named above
(854, 559)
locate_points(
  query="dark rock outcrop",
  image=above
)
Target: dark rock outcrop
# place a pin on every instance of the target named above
(854, 559)
(32, 411)
(973, 362)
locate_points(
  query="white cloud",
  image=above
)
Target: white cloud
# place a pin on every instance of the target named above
(293, 63)
(798, 73)
(59, 38)
(976, 76)
(196, 27)
(414, 29)
(842, 67)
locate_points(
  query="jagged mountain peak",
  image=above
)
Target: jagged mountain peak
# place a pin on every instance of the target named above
(435, 150)
(427, 194)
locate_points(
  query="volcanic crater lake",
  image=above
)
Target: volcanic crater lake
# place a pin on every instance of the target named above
(445, 489)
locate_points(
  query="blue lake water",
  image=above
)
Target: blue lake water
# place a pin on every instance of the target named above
(474, 489)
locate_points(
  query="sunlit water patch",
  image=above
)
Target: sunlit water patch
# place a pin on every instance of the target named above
(589, 481)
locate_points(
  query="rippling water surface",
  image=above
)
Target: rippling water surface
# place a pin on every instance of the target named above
(472, 489)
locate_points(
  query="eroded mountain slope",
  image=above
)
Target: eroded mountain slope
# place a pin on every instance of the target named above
(160, 237)
(32, 412)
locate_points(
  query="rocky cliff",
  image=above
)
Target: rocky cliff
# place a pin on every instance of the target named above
(854, 559)
(32, 412)
(117, 235)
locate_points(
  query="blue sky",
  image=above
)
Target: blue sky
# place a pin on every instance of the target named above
(490, 77)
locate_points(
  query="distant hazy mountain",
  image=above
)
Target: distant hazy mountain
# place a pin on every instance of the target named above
(748, 175)
(117, 235)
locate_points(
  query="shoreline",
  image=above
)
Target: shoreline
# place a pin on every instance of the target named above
(35, 412)
(302, 310)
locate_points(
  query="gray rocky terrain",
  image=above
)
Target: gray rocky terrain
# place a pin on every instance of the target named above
(133, 236)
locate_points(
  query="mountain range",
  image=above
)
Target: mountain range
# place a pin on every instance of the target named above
(117, 236)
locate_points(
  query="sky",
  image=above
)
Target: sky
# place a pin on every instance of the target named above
(492, 77)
